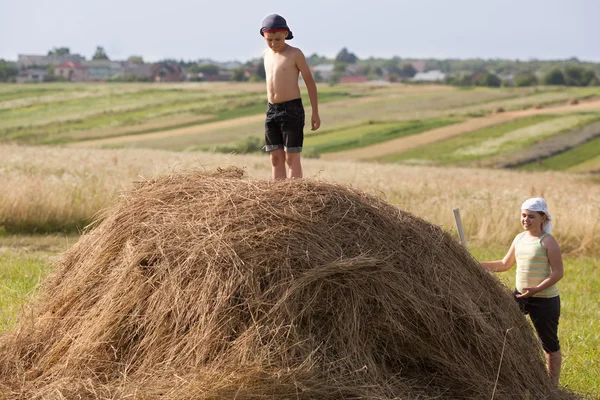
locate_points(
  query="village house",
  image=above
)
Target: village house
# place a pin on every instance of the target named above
(429, 76)
(32, 75)
(140, 70)
(102, 70)
(30, 60)
(71, 71)
(322, 72)
(167, 72)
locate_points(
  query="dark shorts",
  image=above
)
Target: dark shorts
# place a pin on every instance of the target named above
(284, 126)
(544, 313)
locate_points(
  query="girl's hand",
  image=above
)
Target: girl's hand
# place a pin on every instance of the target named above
(527, 292)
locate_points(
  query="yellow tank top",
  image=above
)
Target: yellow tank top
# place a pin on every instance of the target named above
(533, 266)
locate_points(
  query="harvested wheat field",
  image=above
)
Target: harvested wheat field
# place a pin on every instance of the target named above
(210, 285)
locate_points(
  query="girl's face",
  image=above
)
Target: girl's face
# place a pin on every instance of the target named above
(532, 220)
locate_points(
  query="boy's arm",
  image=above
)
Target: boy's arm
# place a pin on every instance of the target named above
(311, 86)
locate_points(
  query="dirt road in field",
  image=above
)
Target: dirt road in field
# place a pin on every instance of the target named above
(450, 131)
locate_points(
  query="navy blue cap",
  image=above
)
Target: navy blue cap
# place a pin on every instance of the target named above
(275, 21)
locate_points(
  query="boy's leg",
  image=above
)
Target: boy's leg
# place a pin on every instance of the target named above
(294, 164)
(292, 126)
(274, 143)
(278, 157)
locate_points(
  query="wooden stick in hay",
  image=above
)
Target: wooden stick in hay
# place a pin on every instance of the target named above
(459, 226)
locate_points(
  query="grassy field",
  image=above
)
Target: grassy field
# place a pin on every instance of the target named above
(479, 145)
(68, 152)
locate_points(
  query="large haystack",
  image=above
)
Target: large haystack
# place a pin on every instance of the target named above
(213, 286)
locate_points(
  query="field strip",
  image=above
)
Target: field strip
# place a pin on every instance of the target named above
(156, 125)
(190, 130)
(546, 148)
(450, 131)
(592, 165)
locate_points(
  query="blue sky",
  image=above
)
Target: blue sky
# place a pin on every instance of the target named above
(228, 30)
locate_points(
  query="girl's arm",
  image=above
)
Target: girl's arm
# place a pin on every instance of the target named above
(556, 265)
(501, 265)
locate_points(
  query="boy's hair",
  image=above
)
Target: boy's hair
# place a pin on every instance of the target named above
(275, 23)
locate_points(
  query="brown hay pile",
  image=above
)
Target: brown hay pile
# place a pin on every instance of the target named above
(212, 286)
(498, 110)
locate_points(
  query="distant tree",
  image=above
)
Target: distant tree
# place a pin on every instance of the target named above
(554, 77)
(523, 80)
(487, 79)
(365, 69)
(8, 71)
(315, 59)
(238, 75)
(340, 67)
(208, 69)
(135, 59)
(59, 51)
(393, 77)
(317, 77)
(578, 76)
(100, 54)
(345, 56)
(407, 71)
(261, 73)
(392, 67)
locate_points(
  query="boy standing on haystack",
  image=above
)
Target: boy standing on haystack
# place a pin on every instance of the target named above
(284, 124)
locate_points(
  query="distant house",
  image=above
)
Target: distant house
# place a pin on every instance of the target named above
(32, 75)
(71, 71)
(102, 70)
(140, 70)
(353, 79)
(31, 60)
(167, 72)
(429, 76)
(322, 72)
(419, 66)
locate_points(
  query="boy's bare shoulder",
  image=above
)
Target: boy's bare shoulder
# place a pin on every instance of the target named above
(294, 50)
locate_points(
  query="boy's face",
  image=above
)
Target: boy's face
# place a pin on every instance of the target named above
(275, 40)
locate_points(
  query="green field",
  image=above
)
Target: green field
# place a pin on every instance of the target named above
(570, 159)
(225, 116)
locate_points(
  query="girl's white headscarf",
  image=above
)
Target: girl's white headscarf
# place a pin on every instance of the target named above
(539, 204)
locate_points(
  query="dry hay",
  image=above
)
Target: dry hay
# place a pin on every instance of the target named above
(213, 286)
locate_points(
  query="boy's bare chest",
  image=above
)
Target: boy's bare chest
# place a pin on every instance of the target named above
(280, 64)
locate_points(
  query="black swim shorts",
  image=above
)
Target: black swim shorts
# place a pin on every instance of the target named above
(544, 313)
(284, 126)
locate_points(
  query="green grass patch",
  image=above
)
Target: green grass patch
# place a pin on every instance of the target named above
(569, 159)
(370, 132)
(25, 92)
(20, 273)
(448, 152)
